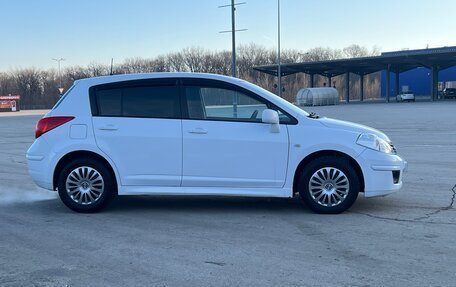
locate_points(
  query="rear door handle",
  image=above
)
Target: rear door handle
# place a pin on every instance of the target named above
(108, 128)
(198, 131)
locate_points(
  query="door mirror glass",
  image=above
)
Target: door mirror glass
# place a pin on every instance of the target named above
(270, 117)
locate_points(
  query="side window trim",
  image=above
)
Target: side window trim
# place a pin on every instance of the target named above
(209, 83)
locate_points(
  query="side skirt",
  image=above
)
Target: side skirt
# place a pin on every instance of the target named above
(213, 191)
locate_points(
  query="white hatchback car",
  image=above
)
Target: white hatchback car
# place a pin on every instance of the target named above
(203, 134)
(408, 96)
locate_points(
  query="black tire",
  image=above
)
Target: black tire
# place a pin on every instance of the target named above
(337, 163)
(109, 191)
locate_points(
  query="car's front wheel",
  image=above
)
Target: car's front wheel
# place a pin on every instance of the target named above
(86, 185)
(329, 185)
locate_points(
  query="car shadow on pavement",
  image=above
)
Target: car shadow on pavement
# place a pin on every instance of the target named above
(205, 204)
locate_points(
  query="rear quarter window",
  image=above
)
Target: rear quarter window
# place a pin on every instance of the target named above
(62, 98)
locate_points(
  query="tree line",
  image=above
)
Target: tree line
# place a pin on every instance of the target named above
(39, 87)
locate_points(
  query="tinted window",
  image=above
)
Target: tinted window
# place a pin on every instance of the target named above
(218, 103)
(141, 101)
(109, 102)
(153, 102)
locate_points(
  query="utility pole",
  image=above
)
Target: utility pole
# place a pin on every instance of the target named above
(233, 39)
(233, 34)
(60, 78)
(279, 64)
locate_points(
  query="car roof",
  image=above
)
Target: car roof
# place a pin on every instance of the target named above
(160, 75)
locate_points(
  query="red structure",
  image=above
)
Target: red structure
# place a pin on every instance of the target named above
(10, 103)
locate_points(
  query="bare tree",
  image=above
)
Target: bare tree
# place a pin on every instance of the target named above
(176, 62)
(193, 59)
(38, 88)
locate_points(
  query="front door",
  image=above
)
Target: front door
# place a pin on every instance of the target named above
(225, 144)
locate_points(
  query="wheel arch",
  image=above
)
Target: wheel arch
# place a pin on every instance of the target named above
(81, 154)
(321, 153)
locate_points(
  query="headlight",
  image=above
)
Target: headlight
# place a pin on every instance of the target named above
(374, 142)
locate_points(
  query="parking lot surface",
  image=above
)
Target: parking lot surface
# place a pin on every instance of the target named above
(405, 239)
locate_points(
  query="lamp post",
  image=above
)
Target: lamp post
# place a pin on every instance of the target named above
(279, 64)
(60, 78)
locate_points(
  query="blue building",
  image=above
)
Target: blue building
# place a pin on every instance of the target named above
(426, 72)
(419, 79)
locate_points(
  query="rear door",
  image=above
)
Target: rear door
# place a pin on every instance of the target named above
(138, 125)
(225, 143)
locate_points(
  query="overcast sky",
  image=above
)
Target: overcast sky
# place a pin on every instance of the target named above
(32, 32)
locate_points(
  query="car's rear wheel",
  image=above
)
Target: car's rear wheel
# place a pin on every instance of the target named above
(86, 185)
(329, 185)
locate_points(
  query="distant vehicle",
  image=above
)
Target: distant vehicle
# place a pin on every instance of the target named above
(449, 93)
(203, 134)
(405, 96)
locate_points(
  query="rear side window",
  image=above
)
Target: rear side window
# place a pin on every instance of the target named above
(151, 102)
(139, 101)
(109, 102)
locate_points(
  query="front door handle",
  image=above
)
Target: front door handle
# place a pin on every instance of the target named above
(199, 131)
(108, 128)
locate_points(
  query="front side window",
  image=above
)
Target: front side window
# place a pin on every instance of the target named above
(213, 103)
(139, 101)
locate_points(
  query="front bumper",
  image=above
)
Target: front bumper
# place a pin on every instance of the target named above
(382, 172)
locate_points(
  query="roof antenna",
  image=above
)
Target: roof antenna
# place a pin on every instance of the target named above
(112, 60)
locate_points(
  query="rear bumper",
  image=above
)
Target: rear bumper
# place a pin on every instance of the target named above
(383, 173)
(407, 97)
(38, 161)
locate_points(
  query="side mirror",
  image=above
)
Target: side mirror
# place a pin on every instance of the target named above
(271, 117)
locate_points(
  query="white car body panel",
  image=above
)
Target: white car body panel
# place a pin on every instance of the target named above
(234, 154)
(231, 159)
(155, 140)
(406, 97)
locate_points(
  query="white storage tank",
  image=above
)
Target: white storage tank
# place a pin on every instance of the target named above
(317, 97)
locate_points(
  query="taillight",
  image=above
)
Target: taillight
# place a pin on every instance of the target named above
(46, 124)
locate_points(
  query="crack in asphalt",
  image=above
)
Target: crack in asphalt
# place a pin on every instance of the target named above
(421, 218)
(450, 206)
(415, 220)
(215, 263)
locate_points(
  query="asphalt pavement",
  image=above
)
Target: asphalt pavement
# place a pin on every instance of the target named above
(405, 239)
